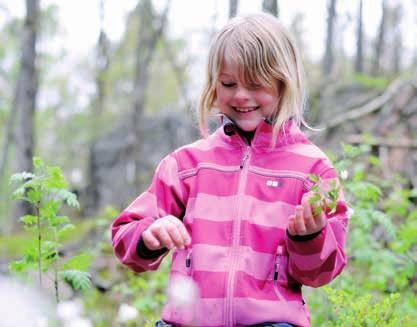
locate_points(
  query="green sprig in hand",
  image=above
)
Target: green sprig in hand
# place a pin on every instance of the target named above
(310, 215)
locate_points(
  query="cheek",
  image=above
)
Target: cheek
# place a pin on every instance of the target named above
(222, 96)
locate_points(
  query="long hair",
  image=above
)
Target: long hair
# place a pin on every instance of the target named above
(266, 54)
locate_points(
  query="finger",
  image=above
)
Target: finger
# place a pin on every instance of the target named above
(308, 216)
(299, 221)
(291, 225)
(175, 235)
(184, 233)
(163, 237)
(320, 221)
(150, 241)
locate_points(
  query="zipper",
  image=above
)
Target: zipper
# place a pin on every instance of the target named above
(245, 157)
(188, 261)
(278, 262)
(229, 315)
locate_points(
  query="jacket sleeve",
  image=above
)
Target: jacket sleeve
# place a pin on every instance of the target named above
(163, 197)
(317, 261)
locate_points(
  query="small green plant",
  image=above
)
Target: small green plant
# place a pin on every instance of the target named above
(46, 191)
(324, 195)
(363, 309)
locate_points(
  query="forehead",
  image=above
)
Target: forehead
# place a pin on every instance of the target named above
(228, 66)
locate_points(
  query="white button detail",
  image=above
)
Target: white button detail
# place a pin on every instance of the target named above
(272, 183)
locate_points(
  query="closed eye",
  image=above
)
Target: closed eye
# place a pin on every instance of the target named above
(226, 84)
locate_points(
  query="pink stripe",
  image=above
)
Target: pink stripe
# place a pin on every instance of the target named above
(268, 214)
(305, 149)
(189, 158)
(214, 233)
(202, 207)
(288, 189)
(212, 258)
(262, 289)
(207, 312)
(251, 311)
(144, 205)
(281, 160)
(212, 284)
(254, 236)
(211, 181)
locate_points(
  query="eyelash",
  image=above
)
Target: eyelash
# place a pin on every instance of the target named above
(230, 85)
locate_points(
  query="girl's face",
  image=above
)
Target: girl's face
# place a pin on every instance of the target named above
(246, 105)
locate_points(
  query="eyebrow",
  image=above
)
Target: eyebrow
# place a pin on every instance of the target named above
(227, 74)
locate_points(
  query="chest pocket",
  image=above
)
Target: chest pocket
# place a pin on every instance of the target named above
(270, 186)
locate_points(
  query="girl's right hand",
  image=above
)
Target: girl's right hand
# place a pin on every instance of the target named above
(168, 231)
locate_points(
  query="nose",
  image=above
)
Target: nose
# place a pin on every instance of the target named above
(241, 96)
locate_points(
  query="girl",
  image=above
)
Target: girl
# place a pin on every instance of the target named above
(235, 206)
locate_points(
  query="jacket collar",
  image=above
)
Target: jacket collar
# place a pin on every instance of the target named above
(289, 133)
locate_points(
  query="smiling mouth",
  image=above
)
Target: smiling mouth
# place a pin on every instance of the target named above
(245, 109)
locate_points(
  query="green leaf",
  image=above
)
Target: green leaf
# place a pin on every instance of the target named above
(49, 209)
(37, 162)
(69, 197)
(79, 262)
(34, 196)
(55, 178)
(373, 160)
(314, 178)
(59, 221)
(21, 177)
(64, 231)
(79, 280)
(19, 194)
(29, 220)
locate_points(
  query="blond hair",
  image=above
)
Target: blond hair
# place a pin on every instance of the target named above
(265, 54)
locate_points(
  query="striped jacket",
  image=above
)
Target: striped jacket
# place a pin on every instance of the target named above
(234, 200)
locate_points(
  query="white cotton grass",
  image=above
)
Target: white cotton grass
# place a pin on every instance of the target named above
(126, 313)
(21, 305)
(344, 174)
(182, 291)
(69, 313)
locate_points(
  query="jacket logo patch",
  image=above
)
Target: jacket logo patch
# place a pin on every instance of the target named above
(272, 183)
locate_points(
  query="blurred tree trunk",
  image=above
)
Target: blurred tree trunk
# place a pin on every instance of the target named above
(25, 97)
(233, 5)
(271, 6)
(7, 139)
(150, 30)
(397, 38)
(359, 41)
(328, 60)
(379, 49)
(102, 61)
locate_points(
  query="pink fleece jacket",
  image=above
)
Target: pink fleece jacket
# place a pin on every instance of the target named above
(234, 200)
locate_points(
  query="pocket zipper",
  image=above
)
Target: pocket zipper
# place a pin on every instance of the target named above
(188, 260)
(278, 260)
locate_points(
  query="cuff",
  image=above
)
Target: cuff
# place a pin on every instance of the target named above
(143, 252)
(307, 244)
(303, 238)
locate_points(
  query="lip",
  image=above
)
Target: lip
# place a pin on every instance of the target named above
(245, 110)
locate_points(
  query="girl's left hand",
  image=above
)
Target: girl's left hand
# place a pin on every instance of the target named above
(305, 222)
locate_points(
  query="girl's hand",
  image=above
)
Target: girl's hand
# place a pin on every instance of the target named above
(168, 231)
(305, 222)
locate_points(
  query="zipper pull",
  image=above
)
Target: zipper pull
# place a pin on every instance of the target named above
(188, 259)
(280, 251)
(245, 157)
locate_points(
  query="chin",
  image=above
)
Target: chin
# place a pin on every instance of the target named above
(248, 126)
